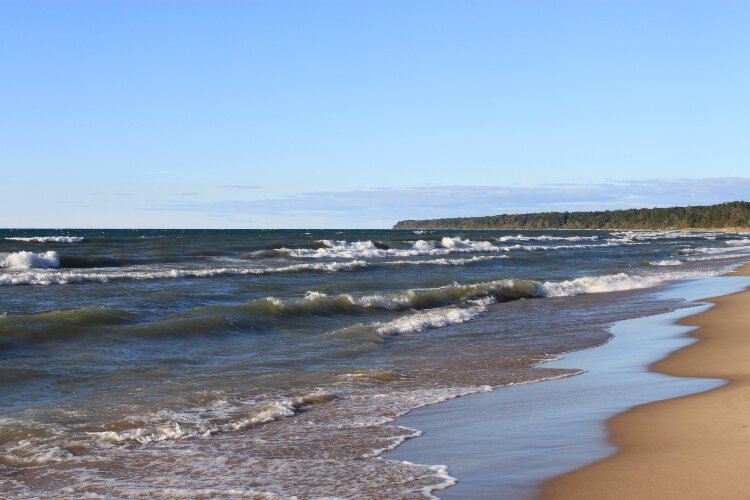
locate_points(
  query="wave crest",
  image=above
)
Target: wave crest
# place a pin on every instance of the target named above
(47, 239)
(219, 417)
(30, 260)
(66, 277)
(446, 245)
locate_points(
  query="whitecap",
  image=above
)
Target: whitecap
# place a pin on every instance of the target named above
(29, 260)
(48, 239)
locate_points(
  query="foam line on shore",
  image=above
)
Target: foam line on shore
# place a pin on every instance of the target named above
(664, 443)
(573, 430)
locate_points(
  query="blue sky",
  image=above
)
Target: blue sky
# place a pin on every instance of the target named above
(349, 113)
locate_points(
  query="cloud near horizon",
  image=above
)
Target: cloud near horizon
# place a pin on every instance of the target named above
(383, 207)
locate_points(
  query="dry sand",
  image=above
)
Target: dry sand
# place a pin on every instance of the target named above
(692, 447)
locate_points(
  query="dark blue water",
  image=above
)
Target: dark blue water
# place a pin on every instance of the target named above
(272, 361)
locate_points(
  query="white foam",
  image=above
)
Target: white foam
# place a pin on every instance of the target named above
(721, 256)
(196, 425)
(666, 262)
(446, 262)
(426, 320)
(447, 245)
(30, 260)
(48, 239)
(338, 249)
(423, 246)
(545, 237)
(666, 234)
(423, 320)
(31, 277)
(458, 243)
(597, 284)
(465, 302)
(710, 250)
(172, 492)
(392, 302)
(36, 454)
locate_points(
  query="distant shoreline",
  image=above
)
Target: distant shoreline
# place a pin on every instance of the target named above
(693, 229)
(730, 216)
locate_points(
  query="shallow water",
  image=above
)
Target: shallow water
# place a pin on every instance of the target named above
(273, 362)
(507, 443)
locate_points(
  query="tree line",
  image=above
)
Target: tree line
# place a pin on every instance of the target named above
(735, 214)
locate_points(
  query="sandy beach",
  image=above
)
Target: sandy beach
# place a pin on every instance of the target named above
(510, 442)
(696, 446)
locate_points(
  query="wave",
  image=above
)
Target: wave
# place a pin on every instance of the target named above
(598, 284)
(55, 325)
(29, 260)
(340, 249)
(469, 301)
(667, 234)
(67, 277)
(743, 242)
(544, 237)
(86, 261)
(51, 259)
(317, 303)
(274, 252)
(712, 250)
(430, 307)
(96, 261)
(445, 246)
(721, 256)
(48, 239)
(219, 417)
(98, 315)
(174, 430)
(665, 262)
(427, 320)
(258, 314)
(446, 262)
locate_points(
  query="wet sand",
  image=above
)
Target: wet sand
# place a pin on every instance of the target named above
(696, 446)
(507, 443)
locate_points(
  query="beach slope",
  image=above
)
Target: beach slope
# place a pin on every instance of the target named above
(696, 446)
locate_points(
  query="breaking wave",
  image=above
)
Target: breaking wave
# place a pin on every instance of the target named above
(732, 246)
(218, 418)
(48, 239)
(55, 325)
(544, 237)
(666, 234)
(29, 260)
(67, 277)
(468, 301)
(430, 308)
(446, 262)
(447, 245)
(666, 262)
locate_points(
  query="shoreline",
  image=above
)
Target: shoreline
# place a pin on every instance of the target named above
(510, 443)
(694, 446)
(689, 229)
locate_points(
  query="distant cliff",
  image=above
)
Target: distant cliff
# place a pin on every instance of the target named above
(734, 214)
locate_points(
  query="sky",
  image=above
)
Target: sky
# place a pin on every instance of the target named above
(350, 113)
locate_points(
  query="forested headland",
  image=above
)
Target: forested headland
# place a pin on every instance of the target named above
(735, 214)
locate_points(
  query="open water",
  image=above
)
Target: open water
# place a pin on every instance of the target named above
(272, 363)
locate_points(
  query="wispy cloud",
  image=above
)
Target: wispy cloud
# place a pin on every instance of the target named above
(382, 207)
(240, 186)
